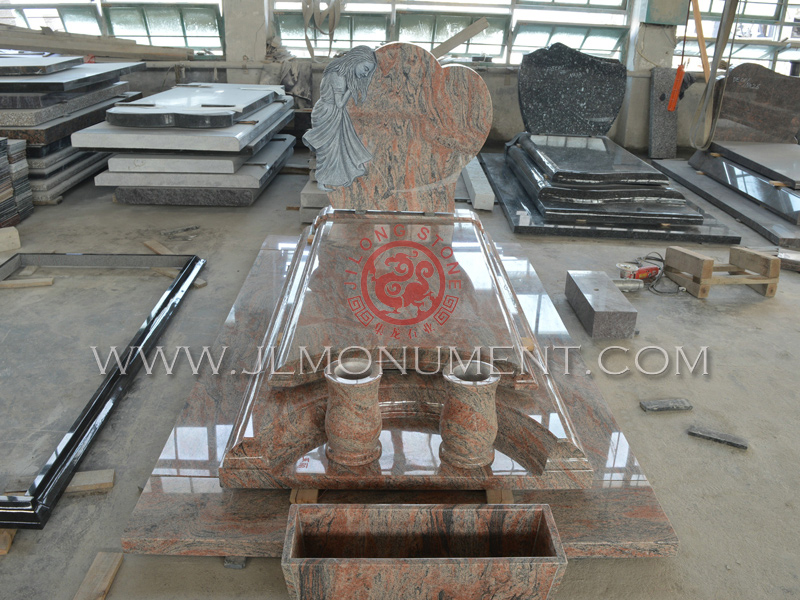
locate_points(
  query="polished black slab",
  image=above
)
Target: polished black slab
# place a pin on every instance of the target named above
(765, 222)
(777, 162)
(523, 217)
(585, 160)
(565, 91)
(641, 212)
(64, 81)
(42, 150)
(31, 100)
(782, 201)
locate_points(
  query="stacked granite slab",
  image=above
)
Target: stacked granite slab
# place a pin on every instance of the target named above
(198, 144)
(8, 208)
(563, 176)
(18, 165)
(44, 100)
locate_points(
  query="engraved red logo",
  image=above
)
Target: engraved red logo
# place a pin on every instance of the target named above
(408, 284)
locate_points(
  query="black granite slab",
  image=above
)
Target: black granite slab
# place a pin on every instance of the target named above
(524, 218)
(718, 436)
(776, 162)
(64, 81)
(29, 64)
(587, 194)
(665, 405)
(782, 201)
(565, 91)
(764, 222)
(42, 150)
(31, 100)
(587, 160)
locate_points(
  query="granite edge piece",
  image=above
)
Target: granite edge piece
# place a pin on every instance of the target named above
(665, 405)
(719, 437)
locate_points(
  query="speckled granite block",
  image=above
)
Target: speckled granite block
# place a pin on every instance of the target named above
(565, 91)
(663, 142)
(363, 552)
(478, 189)
(602, 309)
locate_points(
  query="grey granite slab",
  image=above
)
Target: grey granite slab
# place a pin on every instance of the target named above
(478, 189)
(48, 183)
(176, 163)
(587, 160)
(76, 77)
(56, 167)
(38, 116)
(250, 176)
(200, 196)
(196, 105)
(105, 136)
(782, 201)
(53, 195)
(564, 91)
(665, 405)
(663, 138)
(755, 104)
(44, 150)
(32, 100)
(603, 310)
(524, 218)
(777, 162)
(52, 158)
(32, 64)
(774, 228)
(717, 436)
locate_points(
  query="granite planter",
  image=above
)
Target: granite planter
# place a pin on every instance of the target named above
(394, 552)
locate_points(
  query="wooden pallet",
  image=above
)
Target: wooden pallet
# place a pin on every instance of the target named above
(698, 272)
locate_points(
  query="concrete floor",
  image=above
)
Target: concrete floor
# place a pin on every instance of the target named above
(735, 512)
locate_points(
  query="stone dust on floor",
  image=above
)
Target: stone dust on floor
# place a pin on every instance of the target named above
(735, 512)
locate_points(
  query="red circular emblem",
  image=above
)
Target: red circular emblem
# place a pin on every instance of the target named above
(403, 283)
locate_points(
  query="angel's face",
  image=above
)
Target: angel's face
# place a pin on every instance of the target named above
(363, 69)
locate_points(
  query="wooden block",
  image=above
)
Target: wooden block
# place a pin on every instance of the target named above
(789, 260)
(759, 262)
(695, 289)
(499, 497)
(681, 259)
(778, 184)
(158, 247)
(172, 273)
(28, 271)
(100, 576)
(10, 284)
(304, 496)
(9, 239)
(6, 538)
(91, 481)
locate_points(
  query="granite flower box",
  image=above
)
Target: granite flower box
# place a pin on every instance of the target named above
(393, 552)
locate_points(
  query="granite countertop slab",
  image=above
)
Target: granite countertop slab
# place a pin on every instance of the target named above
(62, 81)
(36, 65)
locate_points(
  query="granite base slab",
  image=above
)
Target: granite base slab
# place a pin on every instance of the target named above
(58, 166)
(764, 222)
(184, 511)
(602, 309)
(523, 217)
(251, 175)
(104, 136)
(200, 196)
(56, 129)
(422, 552)
(776, 162)
(195, 106)
(53, 195)
(587, 160)
(52, 158)
(176, 163)
(36, 65)
(64, 81)
(479, 191)
(56, 179)
(782, 201)
(39, 116)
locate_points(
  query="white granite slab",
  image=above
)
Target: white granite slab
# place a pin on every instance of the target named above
(105, 136)
(176, 163)
(251, 175)
(53, 196)
(49, 183)
(35, 64)
(478, 188)
(73, 78)
(313, 197)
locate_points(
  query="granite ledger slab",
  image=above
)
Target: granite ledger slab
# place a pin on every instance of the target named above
(564, 91)
(63, 81)
(236, 138)
(782, 201)
(176, 163)
(777, 162)
(195, 106)
(184, 511)
(587, 160)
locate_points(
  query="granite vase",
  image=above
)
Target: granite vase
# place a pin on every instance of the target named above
(353, 417)
(468, 423)
(398, 552)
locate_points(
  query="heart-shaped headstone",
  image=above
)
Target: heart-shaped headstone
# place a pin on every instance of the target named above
(420, 124)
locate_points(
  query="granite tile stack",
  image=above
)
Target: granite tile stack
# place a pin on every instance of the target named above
(18, 164)
(198, 144)
(43, 100)
(563, 176)
(8, 208)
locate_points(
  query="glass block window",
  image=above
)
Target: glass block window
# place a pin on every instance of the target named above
(607, 42)
(352, 30)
